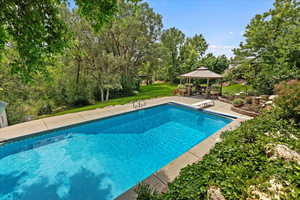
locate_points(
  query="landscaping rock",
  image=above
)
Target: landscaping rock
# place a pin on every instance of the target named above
(269, 103)
(214, 193)
(275, 190)
(268, 108)
(264, 97)
(272, 97)
(293, 137)
(257, 100)
(282, 151)
(274, 134)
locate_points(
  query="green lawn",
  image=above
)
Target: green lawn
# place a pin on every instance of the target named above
(146, 92)
(236, 88)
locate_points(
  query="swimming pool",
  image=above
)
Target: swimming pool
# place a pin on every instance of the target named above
(101, 159)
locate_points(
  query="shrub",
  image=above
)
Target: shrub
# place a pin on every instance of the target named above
(16, 113)
(181, 86)
(238, 102)
(252, 93)
(79, 96)
(288, 100)
(248, 100)
(45, 109)
(145, 192)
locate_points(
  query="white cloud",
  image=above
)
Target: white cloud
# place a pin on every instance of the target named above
(218, 50)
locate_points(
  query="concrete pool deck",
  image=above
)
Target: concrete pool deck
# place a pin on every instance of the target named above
(160, 179)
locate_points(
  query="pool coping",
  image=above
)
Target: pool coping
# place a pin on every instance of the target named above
(160, 179)
(42, 132)
(84, 121)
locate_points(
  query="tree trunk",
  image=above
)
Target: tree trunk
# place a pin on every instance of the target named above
(102, 94)
(78, 70)
(107, 94)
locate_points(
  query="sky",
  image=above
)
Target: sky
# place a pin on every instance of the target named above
(221, 22)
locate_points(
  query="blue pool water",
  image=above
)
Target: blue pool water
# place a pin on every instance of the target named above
(100, 160)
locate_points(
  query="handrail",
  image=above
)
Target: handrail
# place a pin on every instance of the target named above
(138, 104)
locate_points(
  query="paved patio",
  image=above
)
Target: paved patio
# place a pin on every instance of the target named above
(161, 178)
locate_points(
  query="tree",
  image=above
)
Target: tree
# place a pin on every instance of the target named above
(216, 64)
(155, 62)
(37, 31)
(109, 60)
(192, 52)
(173, 39)
(132, 36)
(271, 52)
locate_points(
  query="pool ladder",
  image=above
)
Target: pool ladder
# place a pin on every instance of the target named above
(138, 104)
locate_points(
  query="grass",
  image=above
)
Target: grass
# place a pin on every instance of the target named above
(146, 92)
(236, 88)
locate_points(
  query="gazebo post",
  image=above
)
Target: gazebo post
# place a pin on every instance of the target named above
(189, 85)
(207, 86)
(221, 88)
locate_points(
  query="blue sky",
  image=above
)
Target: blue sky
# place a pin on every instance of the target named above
(222, 22)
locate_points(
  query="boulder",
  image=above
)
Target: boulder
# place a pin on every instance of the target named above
(273, 192)
(269, 103)
(272, 97)
(282, 151)
(214, 193)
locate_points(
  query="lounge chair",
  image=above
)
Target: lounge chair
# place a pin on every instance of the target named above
(204, 104)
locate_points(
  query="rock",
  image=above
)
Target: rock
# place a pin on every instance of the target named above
(272, 97)
(269, 103)
(274, 134)
(256, 100)
(293, 137)
(261, 196)
(214, 193)
(268, 108)
(267, 134)
(264, 97)
(274, 191)
(282, 151)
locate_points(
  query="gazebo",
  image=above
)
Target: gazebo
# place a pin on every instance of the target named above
(202, 73)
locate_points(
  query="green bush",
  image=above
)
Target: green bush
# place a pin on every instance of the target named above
(238, 102)
(248, 100)
(145, 192)
(45, 109)
(252, 92)
(288, 100)
(16, 113)
(181, 86)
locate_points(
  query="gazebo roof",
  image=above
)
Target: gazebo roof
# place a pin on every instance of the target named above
(202, 72)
